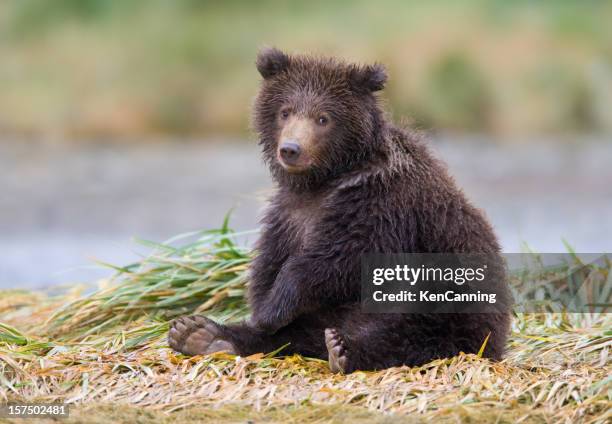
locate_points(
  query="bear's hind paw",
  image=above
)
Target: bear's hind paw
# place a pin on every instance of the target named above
(197, 335)
(336, 350)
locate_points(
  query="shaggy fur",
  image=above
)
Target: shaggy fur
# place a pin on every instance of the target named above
(373, 187)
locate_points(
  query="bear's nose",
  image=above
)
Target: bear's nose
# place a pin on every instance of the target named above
(290, 152)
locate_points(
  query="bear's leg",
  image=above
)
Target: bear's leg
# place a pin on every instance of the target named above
(350, 351)
(195, 335)
(369, 346)
(378, 341)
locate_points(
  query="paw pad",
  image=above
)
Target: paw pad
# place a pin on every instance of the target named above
(197, 335)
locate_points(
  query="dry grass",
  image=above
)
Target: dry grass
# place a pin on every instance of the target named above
(106, 354)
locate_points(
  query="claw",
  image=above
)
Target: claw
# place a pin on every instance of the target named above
(337, 352)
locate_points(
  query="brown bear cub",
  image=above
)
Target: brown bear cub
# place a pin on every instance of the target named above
(349, 182)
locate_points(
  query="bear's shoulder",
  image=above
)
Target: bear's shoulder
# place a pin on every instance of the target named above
(389, 167)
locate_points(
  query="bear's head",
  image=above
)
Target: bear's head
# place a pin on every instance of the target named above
(316, 117)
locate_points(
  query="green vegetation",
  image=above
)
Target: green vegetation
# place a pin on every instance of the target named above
(106, 353)
(112, 68)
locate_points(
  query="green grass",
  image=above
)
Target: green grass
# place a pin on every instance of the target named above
(206, 275)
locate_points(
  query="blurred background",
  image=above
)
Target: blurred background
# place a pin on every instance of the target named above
(131, 118)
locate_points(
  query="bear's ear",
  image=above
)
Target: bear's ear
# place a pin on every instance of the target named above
(370, 77)
(271, 61)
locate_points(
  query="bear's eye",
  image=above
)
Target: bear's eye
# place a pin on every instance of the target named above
(284, 114)
(322, 120)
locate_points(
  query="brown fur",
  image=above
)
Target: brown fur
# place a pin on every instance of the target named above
(371, 187)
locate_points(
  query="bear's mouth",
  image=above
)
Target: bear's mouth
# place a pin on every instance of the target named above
(299, 167)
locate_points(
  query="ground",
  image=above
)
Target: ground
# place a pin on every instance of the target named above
(106, 355)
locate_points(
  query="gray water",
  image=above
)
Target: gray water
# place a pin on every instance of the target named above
(61, 206)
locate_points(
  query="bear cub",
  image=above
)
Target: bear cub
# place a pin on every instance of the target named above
(349, 182)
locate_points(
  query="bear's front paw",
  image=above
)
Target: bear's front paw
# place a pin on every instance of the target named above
(264, 323)
(269, 319)
(197, 335)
